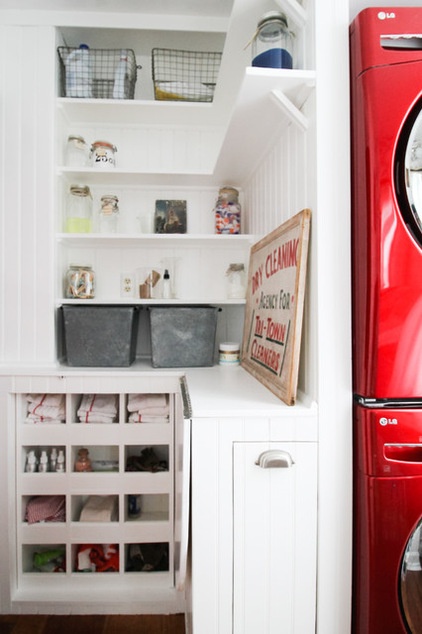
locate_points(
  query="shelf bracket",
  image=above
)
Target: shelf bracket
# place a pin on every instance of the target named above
(293, 113)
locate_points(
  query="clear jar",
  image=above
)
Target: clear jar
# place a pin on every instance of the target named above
(102, 155)
(236, 281)
(79, 210)
(109, 214)
(76, 152)
(272, 45)
(80, 282)
(227, 211)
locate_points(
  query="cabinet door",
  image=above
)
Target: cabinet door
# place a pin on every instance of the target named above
(274, 532)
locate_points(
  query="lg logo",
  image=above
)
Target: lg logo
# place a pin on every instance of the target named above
(382, 15)
(388, 421)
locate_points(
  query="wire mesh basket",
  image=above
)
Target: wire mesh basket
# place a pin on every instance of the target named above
(184, 75)
(97, 73)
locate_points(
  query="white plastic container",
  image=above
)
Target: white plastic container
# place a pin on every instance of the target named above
(79, 74)
(121, 77)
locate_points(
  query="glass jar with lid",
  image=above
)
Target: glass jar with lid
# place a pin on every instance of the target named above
(76, 151)
(80, 282)
(227, 211)
(103, 155)
(272, 44)
(236, 281)
(109, 214)
(79, 210)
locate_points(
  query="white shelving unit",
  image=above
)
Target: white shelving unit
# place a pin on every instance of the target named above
(113, 448)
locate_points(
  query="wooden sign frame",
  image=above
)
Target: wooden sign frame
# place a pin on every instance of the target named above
(274, 306)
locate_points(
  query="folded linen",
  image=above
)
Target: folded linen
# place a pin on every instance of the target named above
(140, 417)
(98, 408)
(45, 408)
(153, 403)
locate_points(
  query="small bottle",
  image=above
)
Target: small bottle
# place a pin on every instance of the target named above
(53, 459)
(60, 462)
(109, 214)
(31, 462)
(121, 77)
(83, 461)
(166, 285)
(43, 466)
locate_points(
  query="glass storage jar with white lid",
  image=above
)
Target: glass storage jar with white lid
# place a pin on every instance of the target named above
(272, 44)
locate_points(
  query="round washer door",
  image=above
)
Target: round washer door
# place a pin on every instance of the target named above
(408, 172)
(410, 582)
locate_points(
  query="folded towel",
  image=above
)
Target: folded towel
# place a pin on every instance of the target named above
(153, 403)
(45, 408)
(139, 417)
(98, 408)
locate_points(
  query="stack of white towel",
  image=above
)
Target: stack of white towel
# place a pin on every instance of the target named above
(148, 408)
(98, 408)
(45, 408)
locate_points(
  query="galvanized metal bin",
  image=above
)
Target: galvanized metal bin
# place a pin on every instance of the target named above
(183, 336)
(100, 336)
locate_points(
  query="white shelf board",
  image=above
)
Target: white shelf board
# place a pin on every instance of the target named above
(156, 239)
(133, 301)
(141, 112)
(251, 127)
(135, 178)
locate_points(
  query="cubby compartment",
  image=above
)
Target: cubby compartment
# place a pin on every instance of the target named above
(95, 508)
(95, 459)
(150, 459)
(96, 408)
(148, 507)
(147, 557)
(43, 558)
(43, 460)
(147, 408)
(98, 558)
(46, 509)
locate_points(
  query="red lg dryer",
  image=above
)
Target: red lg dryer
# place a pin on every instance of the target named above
(386, 107)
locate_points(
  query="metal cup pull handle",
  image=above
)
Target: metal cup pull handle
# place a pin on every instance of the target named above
(275, 459)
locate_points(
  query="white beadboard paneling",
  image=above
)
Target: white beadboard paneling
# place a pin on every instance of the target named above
(26, 174)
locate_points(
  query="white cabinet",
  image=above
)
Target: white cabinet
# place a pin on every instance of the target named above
(274, 537)
(254, 528)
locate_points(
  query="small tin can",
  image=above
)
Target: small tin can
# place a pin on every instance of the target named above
(103, 155)
(80, 282)
(229, 354)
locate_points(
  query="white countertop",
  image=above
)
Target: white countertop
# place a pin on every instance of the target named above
(214, 391)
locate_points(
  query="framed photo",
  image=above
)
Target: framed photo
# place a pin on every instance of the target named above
(170, 216)
(274, 306)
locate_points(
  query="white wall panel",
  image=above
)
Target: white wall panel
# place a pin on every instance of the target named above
(27, 89)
